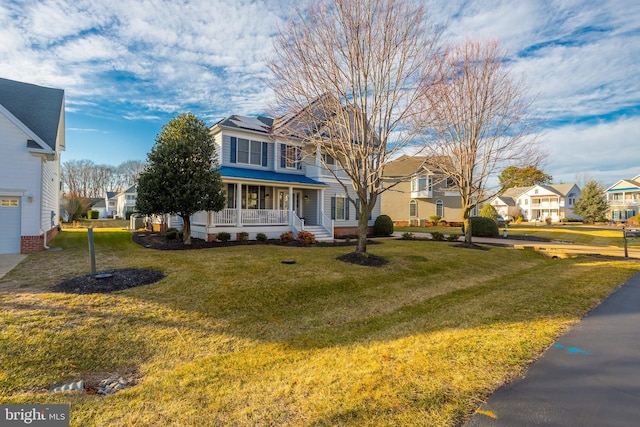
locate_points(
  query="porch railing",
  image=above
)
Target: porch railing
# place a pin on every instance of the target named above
(297, 223)
(264, 217)
(327, 223)
(250, 217)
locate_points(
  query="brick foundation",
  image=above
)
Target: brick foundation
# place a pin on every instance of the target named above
(349, 231)
(30, 244)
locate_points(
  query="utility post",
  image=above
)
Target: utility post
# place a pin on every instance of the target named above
(624, 238)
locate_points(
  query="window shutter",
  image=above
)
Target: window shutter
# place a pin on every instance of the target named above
(234, 142)
(333, 208)
(357, 209)
(283, 155)
(299, 158)
(264, 153)
(346, 209)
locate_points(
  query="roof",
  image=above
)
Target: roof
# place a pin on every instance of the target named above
(100, 204)
(263, 175)
(111, 194)
(406, 165)
(129, 190)
(258, 124)
(38, 108)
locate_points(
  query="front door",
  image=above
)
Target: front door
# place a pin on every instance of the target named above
(283, 201)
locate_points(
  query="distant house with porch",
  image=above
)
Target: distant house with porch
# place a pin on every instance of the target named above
(414, 193)
(125, 202)
(538, 202)
(274, 185)
(624, 199)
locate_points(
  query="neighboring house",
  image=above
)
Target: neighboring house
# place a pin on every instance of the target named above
(624, 199)
(125, 202)
(414, 193)
(32, 136)
(273, 186)
(101, 207)
(111, 203)
(538, 202)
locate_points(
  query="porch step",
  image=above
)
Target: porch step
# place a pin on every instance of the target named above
(318, 231)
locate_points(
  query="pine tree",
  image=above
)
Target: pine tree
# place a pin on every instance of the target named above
(592, 206)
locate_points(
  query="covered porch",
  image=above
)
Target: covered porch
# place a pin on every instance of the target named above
(272, 208)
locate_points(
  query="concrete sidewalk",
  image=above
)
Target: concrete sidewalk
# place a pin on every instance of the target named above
(8, 262)
(589, 377)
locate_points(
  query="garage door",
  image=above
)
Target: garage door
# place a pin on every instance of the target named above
(9, 225)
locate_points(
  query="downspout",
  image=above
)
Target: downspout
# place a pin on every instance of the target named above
(44, 233)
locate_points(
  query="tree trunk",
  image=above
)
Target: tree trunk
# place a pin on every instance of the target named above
(363, 225)
(467, 227)
(186, 230)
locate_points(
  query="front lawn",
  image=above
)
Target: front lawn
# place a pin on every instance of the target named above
(232, 336)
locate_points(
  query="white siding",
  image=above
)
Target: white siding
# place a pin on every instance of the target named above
(50, 194)
(20, 171)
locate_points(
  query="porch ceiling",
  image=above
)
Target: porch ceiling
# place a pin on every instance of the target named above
(268, 176)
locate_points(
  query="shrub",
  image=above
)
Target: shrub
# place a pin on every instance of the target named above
(488, 211)
(91, 214)
(171, 233)
(243, 236)
(407, 236)
(483, 227)
(436, 235)
(306, 238)
(453, 237)
(127, 215)
(224, 236)
(570, 220)
(547, 220)
(383, 226)
(435, 218)
(442, 223)
(519, 219)
(286, 237)
(261, 237)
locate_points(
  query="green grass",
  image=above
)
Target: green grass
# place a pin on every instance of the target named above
(234, 337)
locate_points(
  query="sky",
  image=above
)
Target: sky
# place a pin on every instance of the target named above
(128, 67)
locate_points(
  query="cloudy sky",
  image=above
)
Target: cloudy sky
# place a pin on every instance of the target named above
(128, 67)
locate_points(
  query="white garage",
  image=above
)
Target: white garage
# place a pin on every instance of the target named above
(9, 225)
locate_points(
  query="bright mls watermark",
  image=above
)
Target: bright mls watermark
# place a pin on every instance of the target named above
(34, 415)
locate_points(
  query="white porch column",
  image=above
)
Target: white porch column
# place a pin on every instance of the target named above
(239, 205)
(290, 206)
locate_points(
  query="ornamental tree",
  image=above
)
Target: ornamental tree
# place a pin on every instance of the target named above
(181, 176)
(592, 206)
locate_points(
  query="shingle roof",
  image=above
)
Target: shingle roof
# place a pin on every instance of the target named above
(258, 124)
(37, 107)
(263, 175)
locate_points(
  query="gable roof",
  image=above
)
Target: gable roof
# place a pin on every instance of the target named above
(129, 190)
(404, 166)
(625, 184)
(36, 107)
(258, 124)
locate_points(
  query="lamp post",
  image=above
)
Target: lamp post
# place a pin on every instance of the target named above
(624, 238)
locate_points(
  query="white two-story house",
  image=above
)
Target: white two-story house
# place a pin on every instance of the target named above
(32, 136)
(624, 199)
(125, 201)
(538, 202)
(273, 186)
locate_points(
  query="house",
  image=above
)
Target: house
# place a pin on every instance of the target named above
(274, 185)
(624, 199)
(125, 201)
(111, 203)
(414, 193)
(538, 202)
(32, 137)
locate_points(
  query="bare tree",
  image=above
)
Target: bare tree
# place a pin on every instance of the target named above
(128, 173)
(347, 73)
(478, 118)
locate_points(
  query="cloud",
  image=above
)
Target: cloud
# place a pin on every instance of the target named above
(605, 151)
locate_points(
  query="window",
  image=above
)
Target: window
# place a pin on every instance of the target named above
(413, 208)
(450, 183)
(231, 196)
(129, 197)
(248, 152)
(327, 159)
(339, 208)
(421, 184)
(440, 208)
(9, 203)
(290, 157)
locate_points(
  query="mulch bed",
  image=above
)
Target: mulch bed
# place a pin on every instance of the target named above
(119, 279)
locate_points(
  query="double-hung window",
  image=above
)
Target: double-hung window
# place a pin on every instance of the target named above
(339, 208)
(248, 152)
(290, 157)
